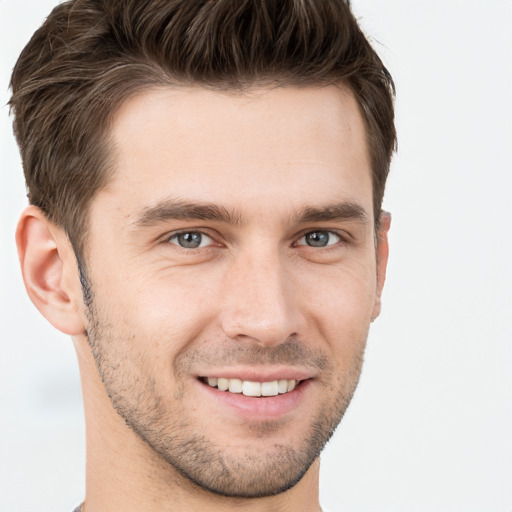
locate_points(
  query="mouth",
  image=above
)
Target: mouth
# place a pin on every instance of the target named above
(263, 395)
(252, 389)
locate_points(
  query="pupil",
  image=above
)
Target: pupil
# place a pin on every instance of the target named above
(190, 240)
(317, 239)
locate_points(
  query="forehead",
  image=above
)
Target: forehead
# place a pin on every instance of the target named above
(286, 146)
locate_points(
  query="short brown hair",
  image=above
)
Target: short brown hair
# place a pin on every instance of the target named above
(91, 55)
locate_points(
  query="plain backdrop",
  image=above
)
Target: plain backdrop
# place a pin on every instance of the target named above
(430, 427)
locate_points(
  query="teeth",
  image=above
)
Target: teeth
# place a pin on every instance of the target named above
(269, 388)
(282, 386)
(250, 388)
(235, 386)
(222, 384)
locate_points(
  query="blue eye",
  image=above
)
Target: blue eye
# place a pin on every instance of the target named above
(319, 239)
(190, 239)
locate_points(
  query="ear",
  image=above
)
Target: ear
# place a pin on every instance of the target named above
(50, 272)
(382, 259)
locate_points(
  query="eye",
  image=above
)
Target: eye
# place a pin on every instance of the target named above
(190, 239)
(319, 239)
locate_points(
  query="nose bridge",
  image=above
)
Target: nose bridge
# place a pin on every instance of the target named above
(259, 299)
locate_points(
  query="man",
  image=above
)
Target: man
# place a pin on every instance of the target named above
(205, 184)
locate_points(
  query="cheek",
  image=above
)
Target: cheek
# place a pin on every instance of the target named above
(168, 308)
(344, 294)
(341, 309)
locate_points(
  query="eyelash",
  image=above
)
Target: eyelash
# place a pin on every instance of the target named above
(202, 234)
(341, 239)
(322, 231)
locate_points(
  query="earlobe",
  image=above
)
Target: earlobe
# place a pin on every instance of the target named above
(382, 259)
(48, 267)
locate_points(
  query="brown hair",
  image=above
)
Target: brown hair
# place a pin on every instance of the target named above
(91, 55)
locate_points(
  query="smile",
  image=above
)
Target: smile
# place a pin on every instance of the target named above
(251, 388)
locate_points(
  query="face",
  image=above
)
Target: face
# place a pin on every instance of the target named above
(233, 272)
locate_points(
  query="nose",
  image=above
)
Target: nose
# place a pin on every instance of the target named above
(259, 303)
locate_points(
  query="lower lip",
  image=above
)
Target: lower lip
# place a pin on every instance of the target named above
(262, 408)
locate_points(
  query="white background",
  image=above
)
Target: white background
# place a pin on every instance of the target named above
(430, 428)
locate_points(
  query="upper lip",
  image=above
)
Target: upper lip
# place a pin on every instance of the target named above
(258, 374)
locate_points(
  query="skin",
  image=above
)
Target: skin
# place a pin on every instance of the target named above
(254, 299)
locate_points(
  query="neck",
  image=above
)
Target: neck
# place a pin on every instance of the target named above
(124, 473)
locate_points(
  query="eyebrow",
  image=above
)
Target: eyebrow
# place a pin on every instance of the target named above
(336, 212)
(176, 209)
